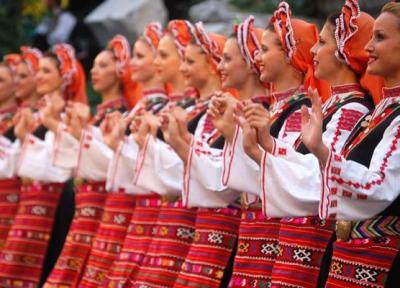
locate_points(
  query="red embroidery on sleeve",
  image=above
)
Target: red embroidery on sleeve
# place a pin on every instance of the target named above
(369, 185)
(282, 151)
(293, 123)
(348, 119)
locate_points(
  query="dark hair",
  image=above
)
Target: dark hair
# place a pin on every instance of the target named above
(331, 19)
(53, 57)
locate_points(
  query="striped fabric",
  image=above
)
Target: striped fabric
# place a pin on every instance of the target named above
(9, 199)
(379, 226)
(109, 238)
(364, 263)
(23, 254)
(257, 248)
(173, 234)
(214, 238)
(301, 249)
(90, 198)
(136, 242)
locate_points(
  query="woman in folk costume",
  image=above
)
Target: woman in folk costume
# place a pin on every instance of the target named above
(361, 190)
(289, 73)
(80, 146)
(25, 81)
(215, 229)
(290, 175)
(202, 178)
(160, 169)
(60, 78)
(123, 164)
(121, 198)
(9, 183)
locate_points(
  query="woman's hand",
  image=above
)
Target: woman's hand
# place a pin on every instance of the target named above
(221, 111)
(249, 137)
(48, 114)
(181, 117)
(23, 123)
(113, 129)
(259, 118)
(311, 128)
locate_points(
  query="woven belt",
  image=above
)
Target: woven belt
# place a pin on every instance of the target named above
(379, 226)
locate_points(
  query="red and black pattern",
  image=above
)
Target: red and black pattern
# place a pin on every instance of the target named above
(136, 242)
(173, 234)
(363, 262)
(23, 254)
(302, 246)
(109, 238)
(9, 200)
(67, 272)
(214, 238)
(257, 250)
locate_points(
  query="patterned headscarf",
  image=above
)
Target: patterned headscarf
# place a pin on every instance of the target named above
(212, 44)
(182, 32)
(119, 46)
(152, 34)
(297, 37)
(12, 60)
(353, 30)
(31, 56)
(249, 38)
(74, 80)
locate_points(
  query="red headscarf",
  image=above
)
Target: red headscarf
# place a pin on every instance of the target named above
(74, 80)
(12, 60)
(119, 46)
(183, 32)
(212, 44)
(352, 32)
(297, 38)
(31, 56)
(152, 34)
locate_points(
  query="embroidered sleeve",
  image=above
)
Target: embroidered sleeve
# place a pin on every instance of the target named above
(121, 168)
(355, 192)
(66, 149)
(240, 172)
(291, 128)
(36, 161)
(291, 182)
(202, 180)
(9, 153)
(159, 168)
(94, 156)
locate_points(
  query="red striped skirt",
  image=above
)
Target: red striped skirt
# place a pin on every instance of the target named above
(67, 272)
(368, 259)
(215, 236)
(136, 242)
(109, 238)
(302, 246)
(257, 249)
(9, 199)
(25, 249)
(174, 232)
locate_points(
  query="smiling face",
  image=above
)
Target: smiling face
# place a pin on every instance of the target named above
(104, 72)
(195, 68)
(325, 62)
(48, 78)
(25, 81)
(167, 60)
(233, 68)
(384, 47)
(272, 58)
(142, 62)
(6, 83)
